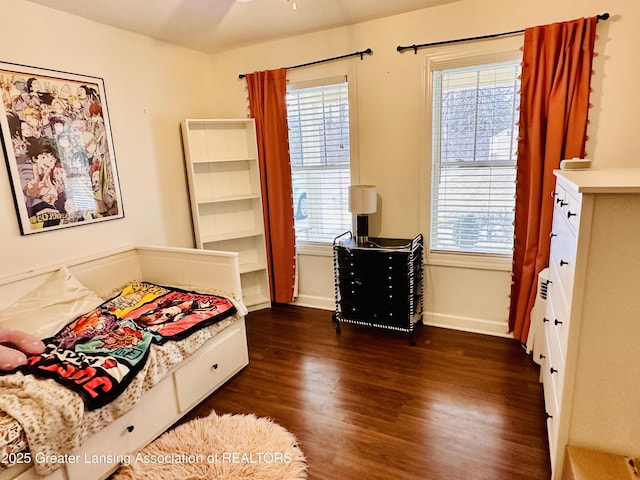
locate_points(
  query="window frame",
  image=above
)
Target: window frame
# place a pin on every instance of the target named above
(451, 56)
(324, 75)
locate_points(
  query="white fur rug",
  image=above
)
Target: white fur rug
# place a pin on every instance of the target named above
(230, 447)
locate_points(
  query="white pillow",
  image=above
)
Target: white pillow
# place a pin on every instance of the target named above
(50, 306)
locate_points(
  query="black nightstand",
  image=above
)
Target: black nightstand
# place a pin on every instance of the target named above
(379, 283)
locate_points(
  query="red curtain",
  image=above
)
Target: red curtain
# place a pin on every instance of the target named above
(267, 105)
(556, 77)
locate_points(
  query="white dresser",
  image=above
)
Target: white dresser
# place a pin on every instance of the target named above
(591, 369)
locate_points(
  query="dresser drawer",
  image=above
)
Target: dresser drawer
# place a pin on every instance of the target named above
(155, 411)
(550, 400)
(563, 278)
(568, 205)
(559, 308)
(562, 257)
(387, 311)
(375, 290)
(556, 357)
(364, 263)
(221, 358)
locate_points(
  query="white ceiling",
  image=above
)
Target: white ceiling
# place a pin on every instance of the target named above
(216, 25)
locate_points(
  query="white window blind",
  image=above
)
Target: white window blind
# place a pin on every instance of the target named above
(318, 119)
(474, 156)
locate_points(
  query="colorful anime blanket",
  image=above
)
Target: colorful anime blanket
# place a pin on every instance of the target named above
(98, 354)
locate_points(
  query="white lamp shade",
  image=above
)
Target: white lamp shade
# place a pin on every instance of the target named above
(363, 199)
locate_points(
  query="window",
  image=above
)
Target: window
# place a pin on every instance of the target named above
(474, 140)
(318, 117)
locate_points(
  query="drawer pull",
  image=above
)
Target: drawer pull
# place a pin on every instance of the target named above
(542, 357)
(571, 214)
(548, 415)
(545, 319)
(563, 263)
(557, 322)
(553, 370)
(551, 235)
(563, 203)
(131, 428)
(214, 366)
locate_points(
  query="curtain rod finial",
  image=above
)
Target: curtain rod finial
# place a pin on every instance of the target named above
(368, 51)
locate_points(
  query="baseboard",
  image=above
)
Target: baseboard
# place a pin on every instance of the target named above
(322, 303)
(468, 324)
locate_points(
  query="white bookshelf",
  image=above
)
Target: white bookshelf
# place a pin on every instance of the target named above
(221, 159)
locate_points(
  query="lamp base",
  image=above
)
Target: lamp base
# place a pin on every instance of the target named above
(362, 229)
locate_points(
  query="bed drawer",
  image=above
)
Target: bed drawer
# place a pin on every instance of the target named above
(221, 358)
(155, 411)
(30, 474)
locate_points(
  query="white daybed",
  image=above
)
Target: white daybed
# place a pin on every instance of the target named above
(219, 352)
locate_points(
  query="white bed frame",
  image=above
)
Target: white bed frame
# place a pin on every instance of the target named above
(110, 270)
(214, 363)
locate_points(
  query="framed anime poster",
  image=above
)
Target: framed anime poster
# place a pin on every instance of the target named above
(58, 147)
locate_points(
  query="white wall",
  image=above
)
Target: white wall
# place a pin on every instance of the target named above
(391, 126)
(150, 87)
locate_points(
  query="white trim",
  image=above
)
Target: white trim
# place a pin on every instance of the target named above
(485, 51)
(326, 74)
(333, 73)
(469, 260)
(316, 82)
(313, 301)
(482, 326)
(315, 249)
(467, 324)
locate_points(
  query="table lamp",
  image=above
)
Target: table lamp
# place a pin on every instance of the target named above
(363, 200)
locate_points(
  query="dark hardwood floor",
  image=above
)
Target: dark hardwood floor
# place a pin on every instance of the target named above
(365, 404)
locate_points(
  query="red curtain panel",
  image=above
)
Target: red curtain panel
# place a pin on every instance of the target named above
(268, 107)
(554, 104)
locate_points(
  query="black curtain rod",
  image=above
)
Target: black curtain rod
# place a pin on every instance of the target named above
(400, 48)
(361, 54)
